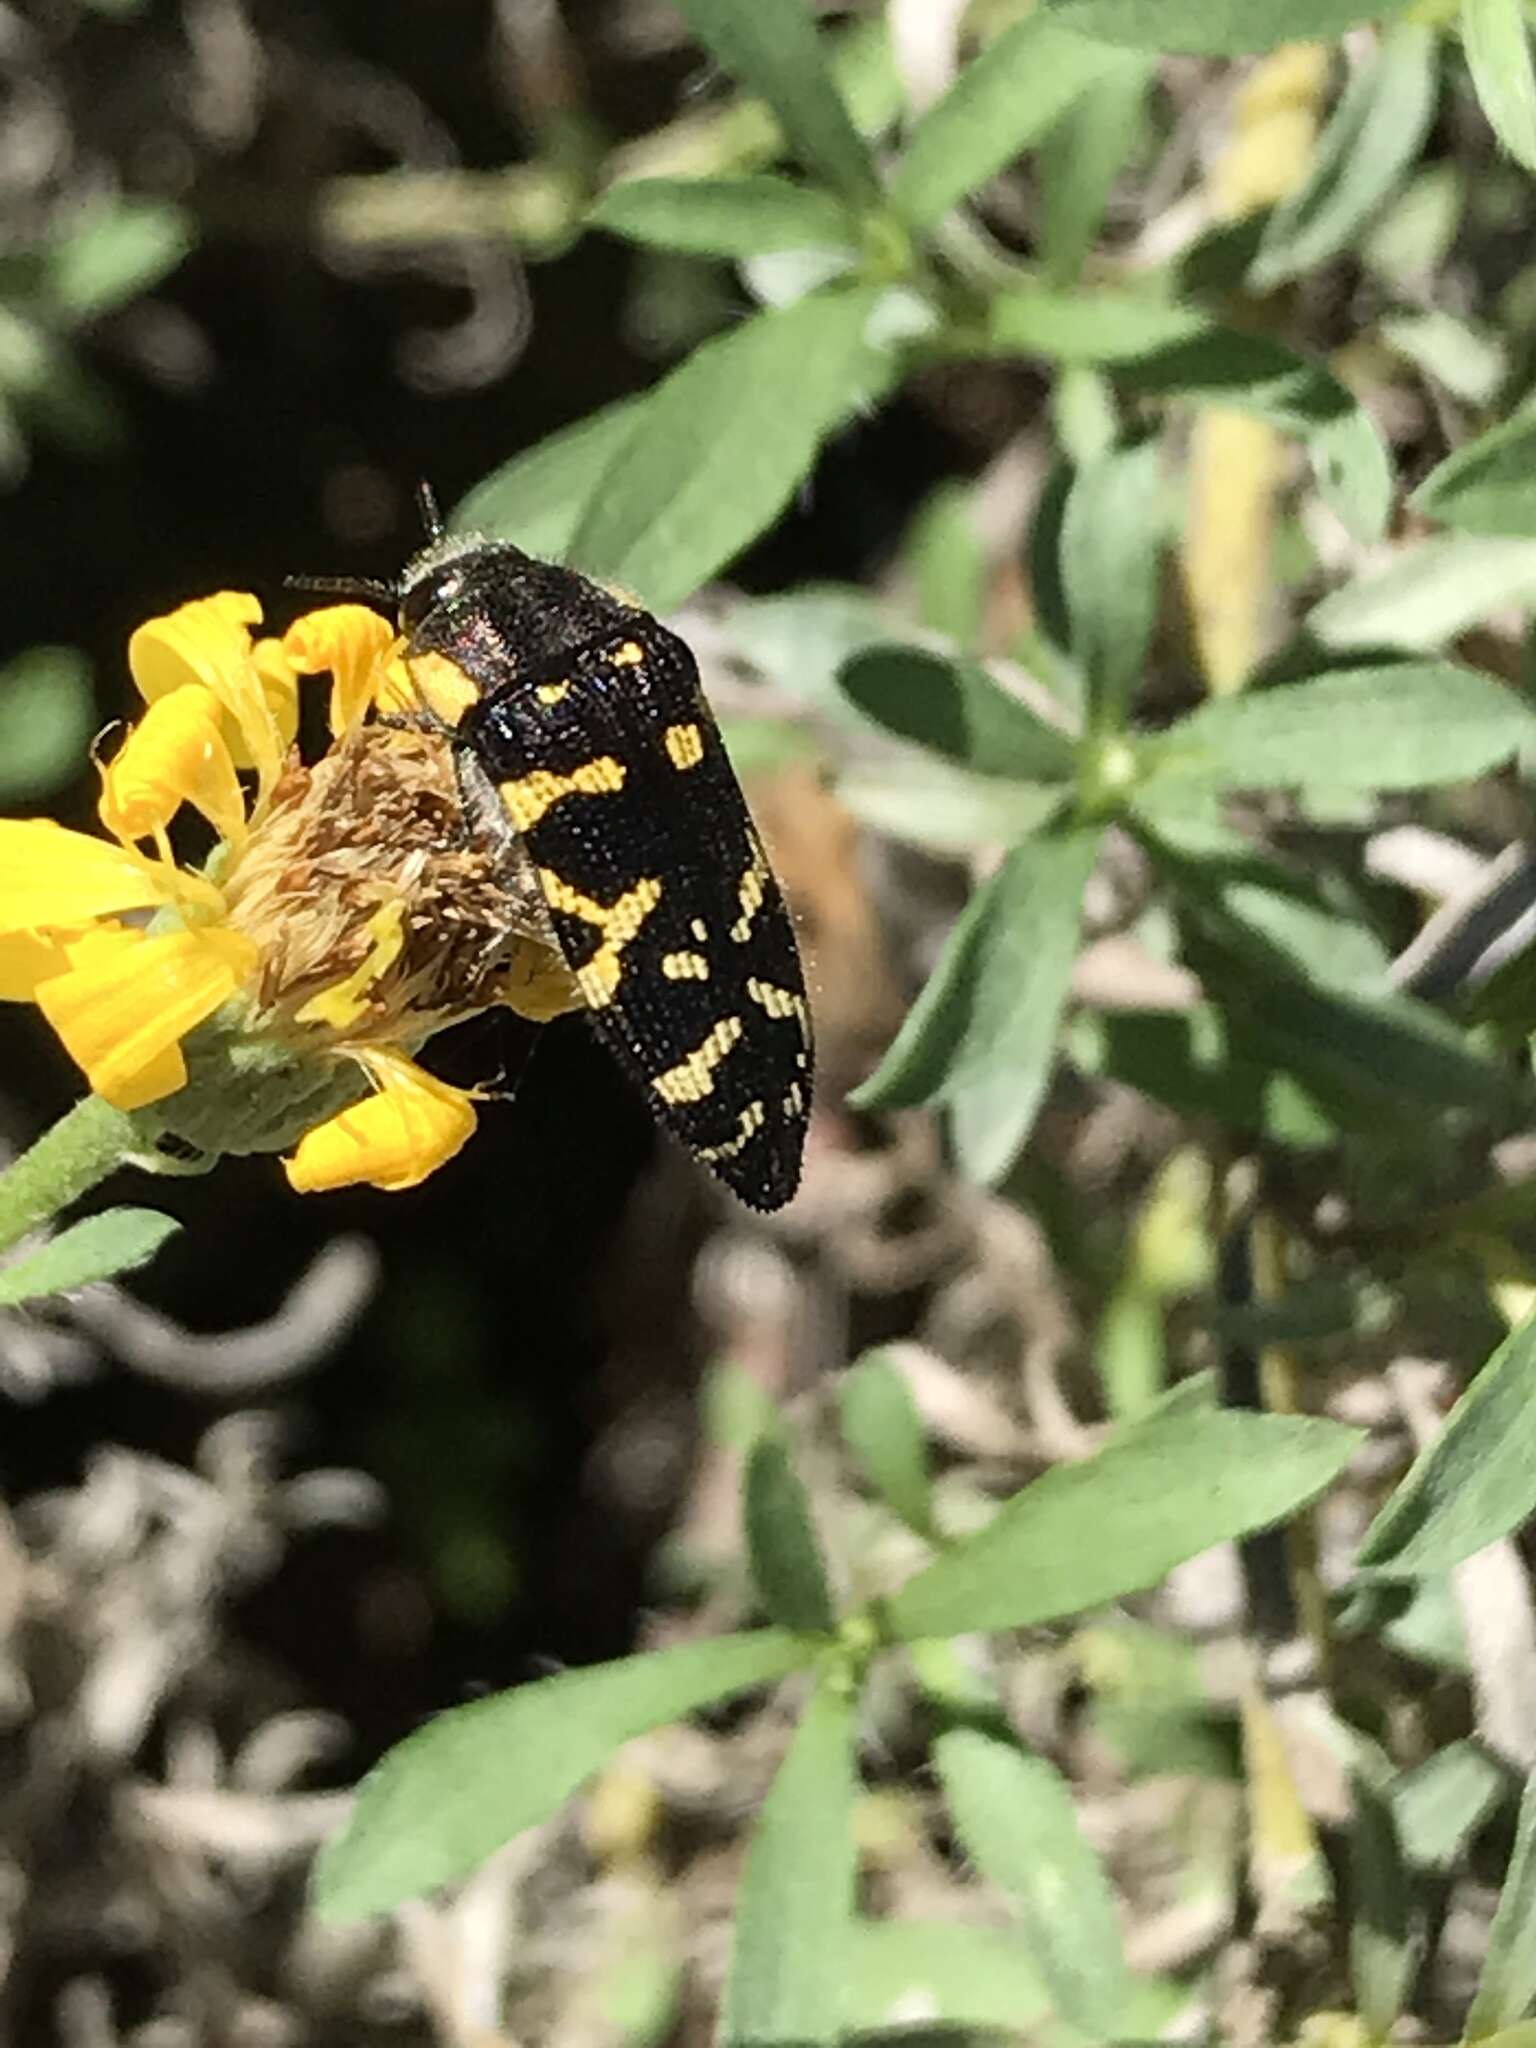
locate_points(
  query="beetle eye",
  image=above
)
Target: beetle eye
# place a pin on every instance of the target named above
(427, 594)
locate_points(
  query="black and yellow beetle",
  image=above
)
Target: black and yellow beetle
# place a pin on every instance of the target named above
(590, 737)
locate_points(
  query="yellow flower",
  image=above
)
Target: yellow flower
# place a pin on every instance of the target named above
(271, 997)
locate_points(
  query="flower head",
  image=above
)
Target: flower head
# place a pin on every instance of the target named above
(273, 995)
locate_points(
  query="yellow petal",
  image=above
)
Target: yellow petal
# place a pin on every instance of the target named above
(26, 958)
(208, 641)
(129, 998)
(53, 878)
(344, 1002)
(538, 984)
(280, 686)
(349, 641)
(176, 754)
(393, 1139)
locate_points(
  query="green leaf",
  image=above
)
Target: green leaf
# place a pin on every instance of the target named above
(884, 1432)
(787, 1565)
(113, 253)
(1381, 1949)
(1364, 153)
(955, 1975)
(1163, 350)
(745, 216)
(724, 441)
(1489, 485)
(1427, 594)
(1002, 101)
(1506, 1990)
(1497, 41)
(1109, 563)
(959, 711)
(1095, 326)
(1475, 1483)
(923, 801)
(777, 53)
(1081, 157)
(1395, 725)
(1014, 1816)
(1249, 373)
(1469, 360)
(801, 640)
(116, 1241)
(1440, 1804)
(982, 1034)
(1382, 1063)
(943, 552)
(1085, 1534)
(451, 1794)
(538, 498)
(47, 717)
(1215, 28)
(794, 1908)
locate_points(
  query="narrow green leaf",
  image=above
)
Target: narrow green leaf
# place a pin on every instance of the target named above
(745, 216)
(451, 1794)
(1475, 1483)
(959, 711)
(724, 441)
(982, 1033)
(113, 253)
(1427, 594)
(928, 803)
(777, 53)
(1160, 349)
(1497, 41)
(1014, 1816)
(1394, 725)
(883, 1430)
(944, 554)
(1506, 1990)
(1366, 150)
(1250, 373)
(1469, 359)
(800, 641)
(794, 1907)
(116, 1241)
(47, 717)
(1215, 28)
(956, 1975)
(1081, 157)
(1094, 326)
(1003, 101)
(538, 498)
(1489, 484)
(1381, 1948)
(1440, 1804)
(1109, 563)
(787, 1565)
(1084, 1534)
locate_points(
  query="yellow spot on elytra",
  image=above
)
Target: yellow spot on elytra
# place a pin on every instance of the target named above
(778, 1002)
(750, 893)
(553, 693)
(528, 797)
(748, 1124)
(685, 745)
(618, 922)
(685, 966)
(630, 655)
(794, 1101)
(699, 929)
(694, 1078)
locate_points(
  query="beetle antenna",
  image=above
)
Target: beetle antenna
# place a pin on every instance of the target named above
(431, 517)
(372, 587)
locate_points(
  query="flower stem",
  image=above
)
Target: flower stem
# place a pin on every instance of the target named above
(83, 1147)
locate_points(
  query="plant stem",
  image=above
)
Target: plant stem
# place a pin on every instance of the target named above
(83, 1147)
